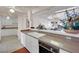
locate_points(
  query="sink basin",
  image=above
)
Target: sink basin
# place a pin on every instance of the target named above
(35, 34)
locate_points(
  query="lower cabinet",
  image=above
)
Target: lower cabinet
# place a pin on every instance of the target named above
(30, 43)
(34, 46)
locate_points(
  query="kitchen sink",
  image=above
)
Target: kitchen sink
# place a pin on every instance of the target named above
(35, 34)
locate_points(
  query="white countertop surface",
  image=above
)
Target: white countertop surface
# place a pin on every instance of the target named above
(58, 32)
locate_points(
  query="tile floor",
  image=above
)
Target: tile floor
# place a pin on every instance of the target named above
(9, 44)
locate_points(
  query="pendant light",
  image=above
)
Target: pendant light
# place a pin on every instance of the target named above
(12, 10)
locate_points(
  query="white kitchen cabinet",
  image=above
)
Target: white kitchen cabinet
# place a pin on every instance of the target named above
(30, 43)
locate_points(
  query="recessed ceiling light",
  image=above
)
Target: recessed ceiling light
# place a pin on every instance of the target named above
(7, 17)
(12, 10)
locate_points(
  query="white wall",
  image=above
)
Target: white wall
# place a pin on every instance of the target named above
(38, 20)
(22, 24)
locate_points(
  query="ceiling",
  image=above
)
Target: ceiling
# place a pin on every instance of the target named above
(4, 10)
(51, 11)
(41, 11)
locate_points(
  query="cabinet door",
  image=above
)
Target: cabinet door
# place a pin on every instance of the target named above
(30, 43)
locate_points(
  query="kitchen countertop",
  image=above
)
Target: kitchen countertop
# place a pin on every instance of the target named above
(56, 32)
(9, 28)
(51, 38)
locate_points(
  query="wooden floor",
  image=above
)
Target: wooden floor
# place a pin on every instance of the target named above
(22, 50)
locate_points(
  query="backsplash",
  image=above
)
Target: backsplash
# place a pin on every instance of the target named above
(69, 19)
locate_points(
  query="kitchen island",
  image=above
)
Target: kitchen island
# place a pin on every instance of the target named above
(65, 42)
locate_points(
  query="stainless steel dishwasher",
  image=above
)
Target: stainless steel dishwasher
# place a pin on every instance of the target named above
(45, 48)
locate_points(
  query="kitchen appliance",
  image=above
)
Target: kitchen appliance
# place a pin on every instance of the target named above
(45, 48)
